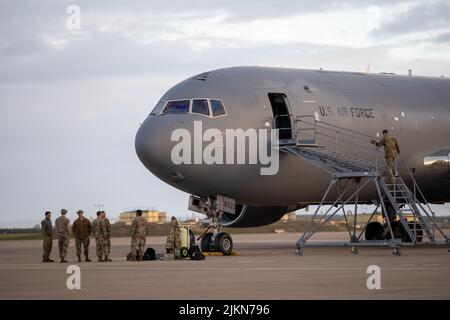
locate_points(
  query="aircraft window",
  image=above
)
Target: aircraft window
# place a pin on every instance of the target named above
(200, 106)
(181, 106)
(217, 108)
(157, 109)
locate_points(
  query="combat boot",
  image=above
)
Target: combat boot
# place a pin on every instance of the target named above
(107, 259)
(100, 259)
(50, 260)
(79, 258)
(64, 260)
(87, 259)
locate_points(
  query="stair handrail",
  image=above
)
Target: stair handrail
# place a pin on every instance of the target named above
(360, 141)
(299, 118)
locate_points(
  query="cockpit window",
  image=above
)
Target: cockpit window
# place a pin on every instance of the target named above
(180, 106)
(200, 106)
(208, 107)
(158, 108)
(217, 108)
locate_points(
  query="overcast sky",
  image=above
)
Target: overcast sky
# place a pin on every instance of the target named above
(71, 100)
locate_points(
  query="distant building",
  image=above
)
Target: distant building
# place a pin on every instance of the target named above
(291, 216)
(189, 222)
(150, 215)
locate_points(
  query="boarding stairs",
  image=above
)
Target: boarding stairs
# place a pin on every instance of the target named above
(346, 155)
(407, 204)
(328, 160)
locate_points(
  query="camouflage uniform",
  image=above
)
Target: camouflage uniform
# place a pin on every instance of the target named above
(107, 235)
(47, 233)
(139, 231)
(99, 240)
(62, 225)
(174, 238)
(81, 230)
(391, 149)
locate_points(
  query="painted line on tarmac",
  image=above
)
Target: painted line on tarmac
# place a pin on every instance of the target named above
(223, 268)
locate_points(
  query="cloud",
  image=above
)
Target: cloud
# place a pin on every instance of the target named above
(442, 38)
(70, 102)
(422, 17)
(137, 39)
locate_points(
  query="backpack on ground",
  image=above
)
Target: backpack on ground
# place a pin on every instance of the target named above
(150, 254)
(195, 253)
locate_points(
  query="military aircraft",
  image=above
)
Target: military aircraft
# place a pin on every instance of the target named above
(312, 108)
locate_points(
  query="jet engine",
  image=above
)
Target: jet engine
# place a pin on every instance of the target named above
(250, 216)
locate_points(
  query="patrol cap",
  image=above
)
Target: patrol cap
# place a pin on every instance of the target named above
(63, 211)
(80, 211)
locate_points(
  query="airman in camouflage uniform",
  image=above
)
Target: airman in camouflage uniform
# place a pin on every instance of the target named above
(173, 239)
(47, 233)
(99, 240)
(107, 236)
(81, 229)
(391, 149)
(139, 231)
(62, 225)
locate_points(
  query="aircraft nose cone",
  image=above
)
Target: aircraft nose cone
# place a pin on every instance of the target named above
(152, 145)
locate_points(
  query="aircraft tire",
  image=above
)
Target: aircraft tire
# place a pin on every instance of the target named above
(224, 243)
(205, 243)
(374, 231)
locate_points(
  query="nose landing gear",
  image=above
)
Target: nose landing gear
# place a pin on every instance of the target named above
(217, 240)
(222, 242)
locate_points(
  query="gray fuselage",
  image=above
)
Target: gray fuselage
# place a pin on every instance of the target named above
(416, 110)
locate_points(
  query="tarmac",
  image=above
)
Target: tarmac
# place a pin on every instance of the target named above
(265, 267)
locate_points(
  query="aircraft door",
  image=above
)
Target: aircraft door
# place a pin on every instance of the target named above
(281, 115)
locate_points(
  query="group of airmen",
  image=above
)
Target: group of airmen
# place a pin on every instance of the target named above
(100, 228)
(81, 229)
